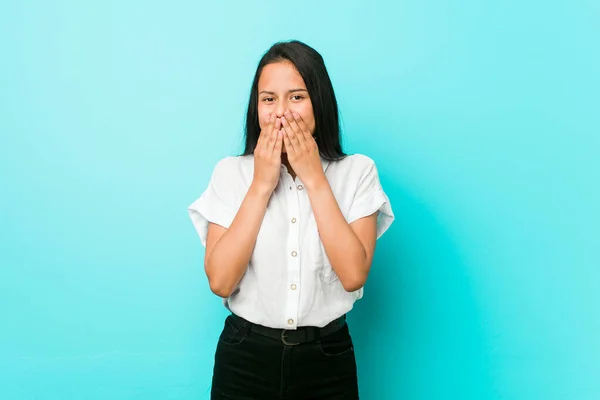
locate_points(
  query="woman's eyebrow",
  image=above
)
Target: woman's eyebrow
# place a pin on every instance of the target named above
(289, 91)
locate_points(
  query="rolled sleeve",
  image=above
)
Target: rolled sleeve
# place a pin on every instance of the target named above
(370, 198)
(215, 204)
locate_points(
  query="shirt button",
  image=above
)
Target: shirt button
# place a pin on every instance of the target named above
(294, 254)
(290, 321)
(300, 187)
(293, 220)
(293, 286)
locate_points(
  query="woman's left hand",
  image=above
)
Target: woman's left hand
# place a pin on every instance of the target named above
(301, 148)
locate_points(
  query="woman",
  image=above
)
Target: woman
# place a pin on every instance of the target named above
(289, 228)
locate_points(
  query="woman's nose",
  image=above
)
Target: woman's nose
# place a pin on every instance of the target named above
(281, 108)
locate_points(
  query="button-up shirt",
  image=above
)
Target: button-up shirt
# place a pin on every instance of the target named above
(289, 281)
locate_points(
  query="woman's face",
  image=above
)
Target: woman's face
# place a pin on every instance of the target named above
(281, 89)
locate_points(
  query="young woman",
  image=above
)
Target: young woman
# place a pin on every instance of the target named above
(289, 228)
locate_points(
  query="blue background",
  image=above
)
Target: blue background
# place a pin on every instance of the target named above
(481, 116)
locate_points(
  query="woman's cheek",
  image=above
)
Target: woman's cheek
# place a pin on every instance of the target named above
(262, 121)
(311, 126)
(309, 119)
(263, 116)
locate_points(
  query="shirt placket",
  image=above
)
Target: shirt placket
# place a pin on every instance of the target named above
(293, 265)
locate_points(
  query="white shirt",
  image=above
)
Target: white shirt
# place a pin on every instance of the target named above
(289, 281)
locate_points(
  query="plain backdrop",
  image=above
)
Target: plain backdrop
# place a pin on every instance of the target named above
(483, 119)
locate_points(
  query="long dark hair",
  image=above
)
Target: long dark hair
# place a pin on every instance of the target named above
(311, 67)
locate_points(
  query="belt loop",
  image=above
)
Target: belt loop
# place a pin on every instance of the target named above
(246, 326)
(243, 325)
(318, 335)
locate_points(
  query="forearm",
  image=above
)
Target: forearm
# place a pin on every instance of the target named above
(345, 251)
(228, 260)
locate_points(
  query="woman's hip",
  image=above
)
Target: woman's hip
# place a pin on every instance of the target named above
(249, 363)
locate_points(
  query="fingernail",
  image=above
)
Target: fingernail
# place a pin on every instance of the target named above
(296, 115)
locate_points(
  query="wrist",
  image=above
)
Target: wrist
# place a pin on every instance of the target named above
(317, 183)
(260, 190)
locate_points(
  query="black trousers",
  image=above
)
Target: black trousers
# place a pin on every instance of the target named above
(250, 366)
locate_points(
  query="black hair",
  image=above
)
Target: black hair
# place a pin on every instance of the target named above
(311, 67)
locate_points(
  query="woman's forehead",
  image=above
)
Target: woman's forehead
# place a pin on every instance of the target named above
(280, 75)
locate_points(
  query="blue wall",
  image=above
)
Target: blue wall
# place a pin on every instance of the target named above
(482, 117)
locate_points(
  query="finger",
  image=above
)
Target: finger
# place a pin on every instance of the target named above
(288, 144)
(297, 129)
(292, 122)
(291, 135)
(273, 137)
(278, 143)
(302, 126)
(268, 132)
(261, 135)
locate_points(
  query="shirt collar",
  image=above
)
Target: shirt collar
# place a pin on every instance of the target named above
(324, 164)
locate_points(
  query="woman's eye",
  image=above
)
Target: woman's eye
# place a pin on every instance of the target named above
(297, 97)
(268, 99)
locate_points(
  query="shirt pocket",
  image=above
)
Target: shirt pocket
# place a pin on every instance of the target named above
(320, 263)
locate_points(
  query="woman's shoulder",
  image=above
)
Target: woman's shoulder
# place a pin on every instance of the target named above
(353, 162)
(233, 165)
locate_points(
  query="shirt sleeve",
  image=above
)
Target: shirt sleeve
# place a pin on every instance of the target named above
(217, 203)
(369, 198)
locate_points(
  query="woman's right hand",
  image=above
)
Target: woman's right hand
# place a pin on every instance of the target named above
(267, 156)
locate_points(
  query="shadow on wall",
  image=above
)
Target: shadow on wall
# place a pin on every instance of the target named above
(417, 330)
